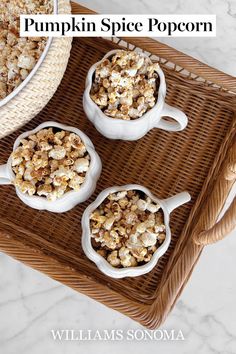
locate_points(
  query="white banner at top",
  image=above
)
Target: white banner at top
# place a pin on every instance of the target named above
(118, 25)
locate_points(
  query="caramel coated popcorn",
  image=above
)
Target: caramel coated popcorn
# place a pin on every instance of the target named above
(127, 228)
(18, 56)
(50, 163)
(125, 86)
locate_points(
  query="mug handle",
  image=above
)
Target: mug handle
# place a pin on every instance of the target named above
(180, 118)
(175, 201)
(4, 178)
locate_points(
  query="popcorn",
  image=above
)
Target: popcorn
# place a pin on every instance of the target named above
(141, 228)
(57, 153)
(139, 253)
(44, 167)
(128, 228)
(28, 144)
(20, 170)
(161, 237)
(131, 217)
(45, 146)
(108, 223)
(117, 196)
(75, 182)
(44, 134)
(16, 156)
(148, 205)
(125, 86)
(39, 159)
(26, 186)
(58, 137)
(81, 165)
(18, 55)
(44, 190)
(123, 203)
(148, 239)
(110, 240)
(54, 165)
(26, 62)
(127, 260)
(28, 174)
(75, 141)
(113, 258)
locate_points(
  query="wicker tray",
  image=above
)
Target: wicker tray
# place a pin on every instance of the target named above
(201, 159)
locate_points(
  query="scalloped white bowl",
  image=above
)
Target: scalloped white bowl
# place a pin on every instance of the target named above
(70, 199)
(167, 205)
(114, 128)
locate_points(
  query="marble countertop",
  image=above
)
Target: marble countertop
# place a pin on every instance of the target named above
(31, 304)
(219, 51)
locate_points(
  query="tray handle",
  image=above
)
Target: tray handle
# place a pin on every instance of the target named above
(221, 229)
(222, 187)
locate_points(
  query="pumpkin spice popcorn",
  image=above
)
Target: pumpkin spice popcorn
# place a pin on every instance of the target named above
(50, 163)
(18, 55)
(127, 228)
(125, 86)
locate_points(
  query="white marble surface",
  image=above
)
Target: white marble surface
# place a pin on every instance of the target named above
(31, 304)
(219, 52)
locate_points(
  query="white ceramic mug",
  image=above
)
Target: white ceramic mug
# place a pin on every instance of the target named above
(167, 205)
(70, 199)
(114, 128)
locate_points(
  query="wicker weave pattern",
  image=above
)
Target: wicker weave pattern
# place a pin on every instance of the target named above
(36, 94)
(201, 159)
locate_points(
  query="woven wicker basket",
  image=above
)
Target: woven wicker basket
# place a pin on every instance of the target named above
(201, 159)
(36, 94)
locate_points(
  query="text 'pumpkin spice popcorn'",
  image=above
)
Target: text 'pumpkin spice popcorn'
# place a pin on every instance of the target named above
(127, 228)
(50, 163)
(125, 86)
(18, 56)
